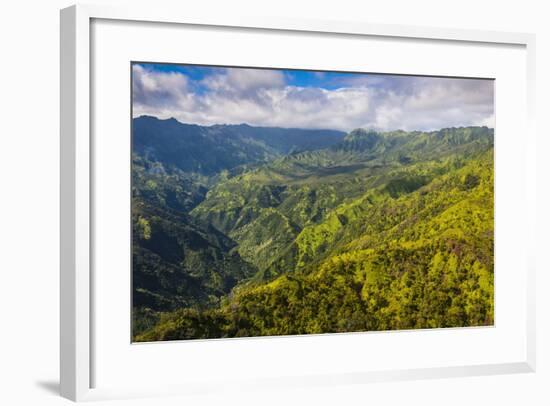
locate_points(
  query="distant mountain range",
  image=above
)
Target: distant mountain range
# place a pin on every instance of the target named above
(208, 150)
(241, 230)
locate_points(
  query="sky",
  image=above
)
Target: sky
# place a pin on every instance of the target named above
(309, 99)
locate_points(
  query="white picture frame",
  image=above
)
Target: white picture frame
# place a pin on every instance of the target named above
(77, 219)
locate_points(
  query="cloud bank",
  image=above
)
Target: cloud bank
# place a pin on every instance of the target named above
(263, 97)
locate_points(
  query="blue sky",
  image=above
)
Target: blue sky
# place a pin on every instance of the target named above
(301, 78)
(309, 99)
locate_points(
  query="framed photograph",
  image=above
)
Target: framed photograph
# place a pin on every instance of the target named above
(259, 203)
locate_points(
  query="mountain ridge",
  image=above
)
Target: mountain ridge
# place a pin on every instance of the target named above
(279, 217)
(209, 150)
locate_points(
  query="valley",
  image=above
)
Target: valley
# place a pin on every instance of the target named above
(245, 231)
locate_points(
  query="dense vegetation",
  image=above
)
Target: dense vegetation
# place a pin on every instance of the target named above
(209, 150)
(371, 231)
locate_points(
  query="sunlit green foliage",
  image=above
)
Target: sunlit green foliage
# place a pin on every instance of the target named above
(380, 232)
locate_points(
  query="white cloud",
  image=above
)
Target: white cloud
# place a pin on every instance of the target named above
(261, 97)
(160, 93)
(245, 80)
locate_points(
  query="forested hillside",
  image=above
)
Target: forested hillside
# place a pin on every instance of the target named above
(209, 150)
(371, 231)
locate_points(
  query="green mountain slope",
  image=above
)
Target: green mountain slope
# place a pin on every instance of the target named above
(178, 262)
(379, 231)
(419, 258)
(308, 192)
(166, 186)
(209, 150)
(183, 261)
